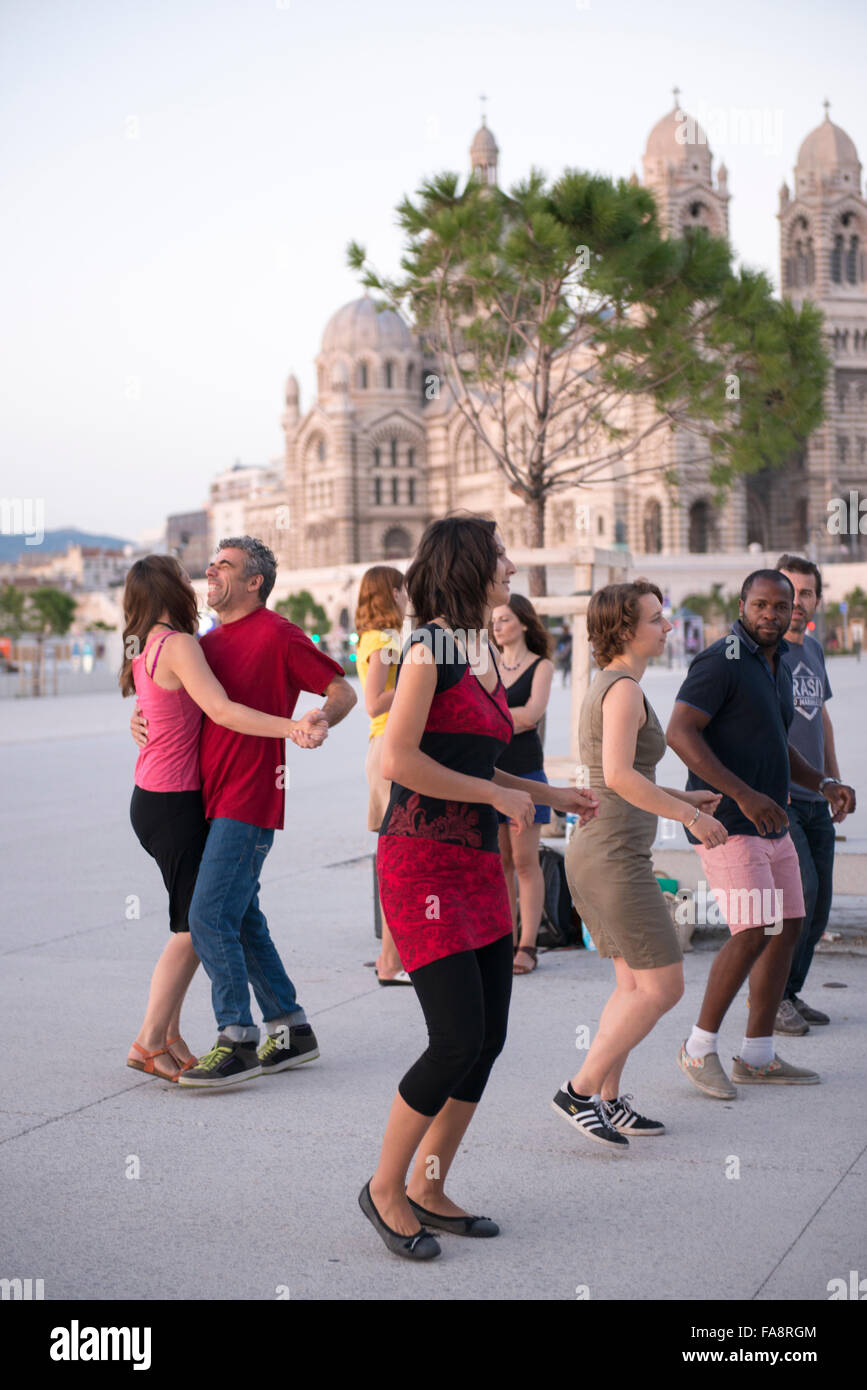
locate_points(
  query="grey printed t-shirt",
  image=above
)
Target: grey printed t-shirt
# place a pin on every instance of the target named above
(811, 688)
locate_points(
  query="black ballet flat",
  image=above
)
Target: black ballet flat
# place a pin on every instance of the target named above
(421, 1246)
(456, 1225)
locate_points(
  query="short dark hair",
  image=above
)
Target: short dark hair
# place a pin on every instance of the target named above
(260, 560)
(773, 575)
(452, 570)
(798, 565)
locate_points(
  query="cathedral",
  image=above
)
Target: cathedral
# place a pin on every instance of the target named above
(379, 452)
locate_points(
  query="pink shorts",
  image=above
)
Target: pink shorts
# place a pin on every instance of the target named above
(756, 882)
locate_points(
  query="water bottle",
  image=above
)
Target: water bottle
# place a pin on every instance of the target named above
(667, 829)
(571, 822)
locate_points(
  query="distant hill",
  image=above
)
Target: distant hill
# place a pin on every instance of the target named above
(13, 546)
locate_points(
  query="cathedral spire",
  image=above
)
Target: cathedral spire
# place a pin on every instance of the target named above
(484, 152)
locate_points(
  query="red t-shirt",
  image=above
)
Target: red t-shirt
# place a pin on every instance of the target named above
(263, 661)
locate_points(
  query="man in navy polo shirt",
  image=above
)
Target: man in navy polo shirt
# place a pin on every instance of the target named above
(811, 824)
(730, 726)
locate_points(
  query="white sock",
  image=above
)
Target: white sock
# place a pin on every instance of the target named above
(699, 1043)
(757, 1052)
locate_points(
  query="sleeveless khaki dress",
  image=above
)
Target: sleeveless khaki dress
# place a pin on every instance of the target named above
(608, 862)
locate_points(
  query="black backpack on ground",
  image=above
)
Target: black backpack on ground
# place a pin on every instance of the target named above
(560, 924)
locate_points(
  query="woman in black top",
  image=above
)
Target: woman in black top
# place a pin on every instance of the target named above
(527, 672)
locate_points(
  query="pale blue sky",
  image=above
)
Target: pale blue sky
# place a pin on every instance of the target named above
(181, 179)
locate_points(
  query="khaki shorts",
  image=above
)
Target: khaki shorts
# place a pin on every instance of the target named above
(380, 789)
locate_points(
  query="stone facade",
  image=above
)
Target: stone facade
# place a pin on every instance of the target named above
(382, 449)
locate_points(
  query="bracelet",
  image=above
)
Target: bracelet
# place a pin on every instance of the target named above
(835, 781)
(692, 822)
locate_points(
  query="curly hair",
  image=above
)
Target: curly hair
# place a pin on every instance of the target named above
(613, 614)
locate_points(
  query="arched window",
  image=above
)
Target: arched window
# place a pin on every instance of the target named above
(321, 450)
(411, 497)
(652, 527)
(852, 261)
(702, 534)
(377, 458)
(393, 448)
(837, 261)
(396, 543)
(410, 377)
(377, 491)
(389, 375)
(410, 458)
(395, 496)
(801, 514)
(362, 376)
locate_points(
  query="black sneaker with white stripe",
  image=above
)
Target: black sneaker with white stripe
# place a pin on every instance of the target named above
(625, 1120)
(590, 1116)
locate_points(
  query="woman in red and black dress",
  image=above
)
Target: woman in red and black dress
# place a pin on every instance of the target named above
(440, 874)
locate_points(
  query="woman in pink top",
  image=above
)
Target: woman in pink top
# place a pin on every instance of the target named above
(167, 671)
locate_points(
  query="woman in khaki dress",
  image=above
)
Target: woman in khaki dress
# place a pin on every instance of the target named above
(608, 862)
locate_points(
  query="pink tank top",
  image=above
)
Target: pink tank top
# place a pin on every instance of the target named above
(169, 761)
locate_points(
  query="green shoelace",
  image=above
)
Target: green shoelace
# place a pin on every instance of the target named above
(212, 1059)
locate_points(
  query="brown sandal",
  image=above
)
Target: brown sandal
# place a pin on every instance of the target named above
(148, 1064)
(530, 951)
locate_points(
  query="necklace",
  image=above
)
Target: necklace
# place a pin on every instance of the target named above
(506, 667)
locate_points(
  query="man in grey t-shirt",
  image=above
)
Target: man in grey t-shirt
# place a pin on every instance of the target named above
(811, 824)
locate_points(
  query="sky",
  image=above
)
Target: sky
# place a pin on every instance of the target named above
(181, 180)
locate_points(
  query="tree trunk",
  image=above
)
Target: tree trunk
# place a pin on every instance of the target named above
(536, 536)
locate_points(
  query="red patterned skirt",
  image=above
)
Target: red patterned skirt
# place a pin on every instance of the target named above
(440, 898)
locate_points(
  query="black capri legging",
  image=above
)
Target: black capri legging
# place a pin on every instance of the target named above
(171, 826)
(465, 1000)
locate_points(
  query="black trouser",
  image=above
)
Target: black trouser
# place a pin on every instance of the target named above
(465, 1001)
(171, 826)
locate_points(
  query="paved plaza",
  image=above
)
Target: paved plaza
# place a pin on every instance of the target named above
(117, 1186)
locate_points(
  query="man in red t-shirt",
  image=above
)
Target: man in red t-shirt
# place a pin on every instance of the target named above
(264, 661)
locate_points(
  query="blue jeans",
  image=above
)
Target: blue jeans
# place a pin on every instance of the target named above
(230, 933)
(812, 832)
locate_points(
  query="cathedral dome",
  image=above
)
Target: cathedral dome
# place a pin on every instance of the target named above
(828, 147)
(484, 149)
(676, 137)
(358, 328)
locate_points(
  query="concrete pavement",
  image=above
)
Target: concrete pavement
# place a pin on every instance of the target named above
(117, 1186)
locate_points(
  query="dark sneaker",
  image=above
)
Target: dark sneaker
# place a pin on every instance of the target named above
(590, 1117)
(226, 1064)
(288, 1047)
(789, 1020)
(625, 1120)
(807, 1014)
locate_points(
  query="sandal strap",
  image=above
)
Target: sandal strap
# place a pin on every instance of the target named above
(528, 951)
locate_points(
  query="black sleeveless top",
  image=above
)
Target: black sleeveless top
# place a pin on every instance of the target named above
(524, 754)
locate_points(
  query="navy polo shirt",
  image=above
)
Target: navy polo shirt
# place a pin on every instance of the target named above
(750, 712)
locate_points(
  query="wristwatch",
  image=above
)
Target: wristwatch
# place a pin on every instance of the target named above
(835, 782)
